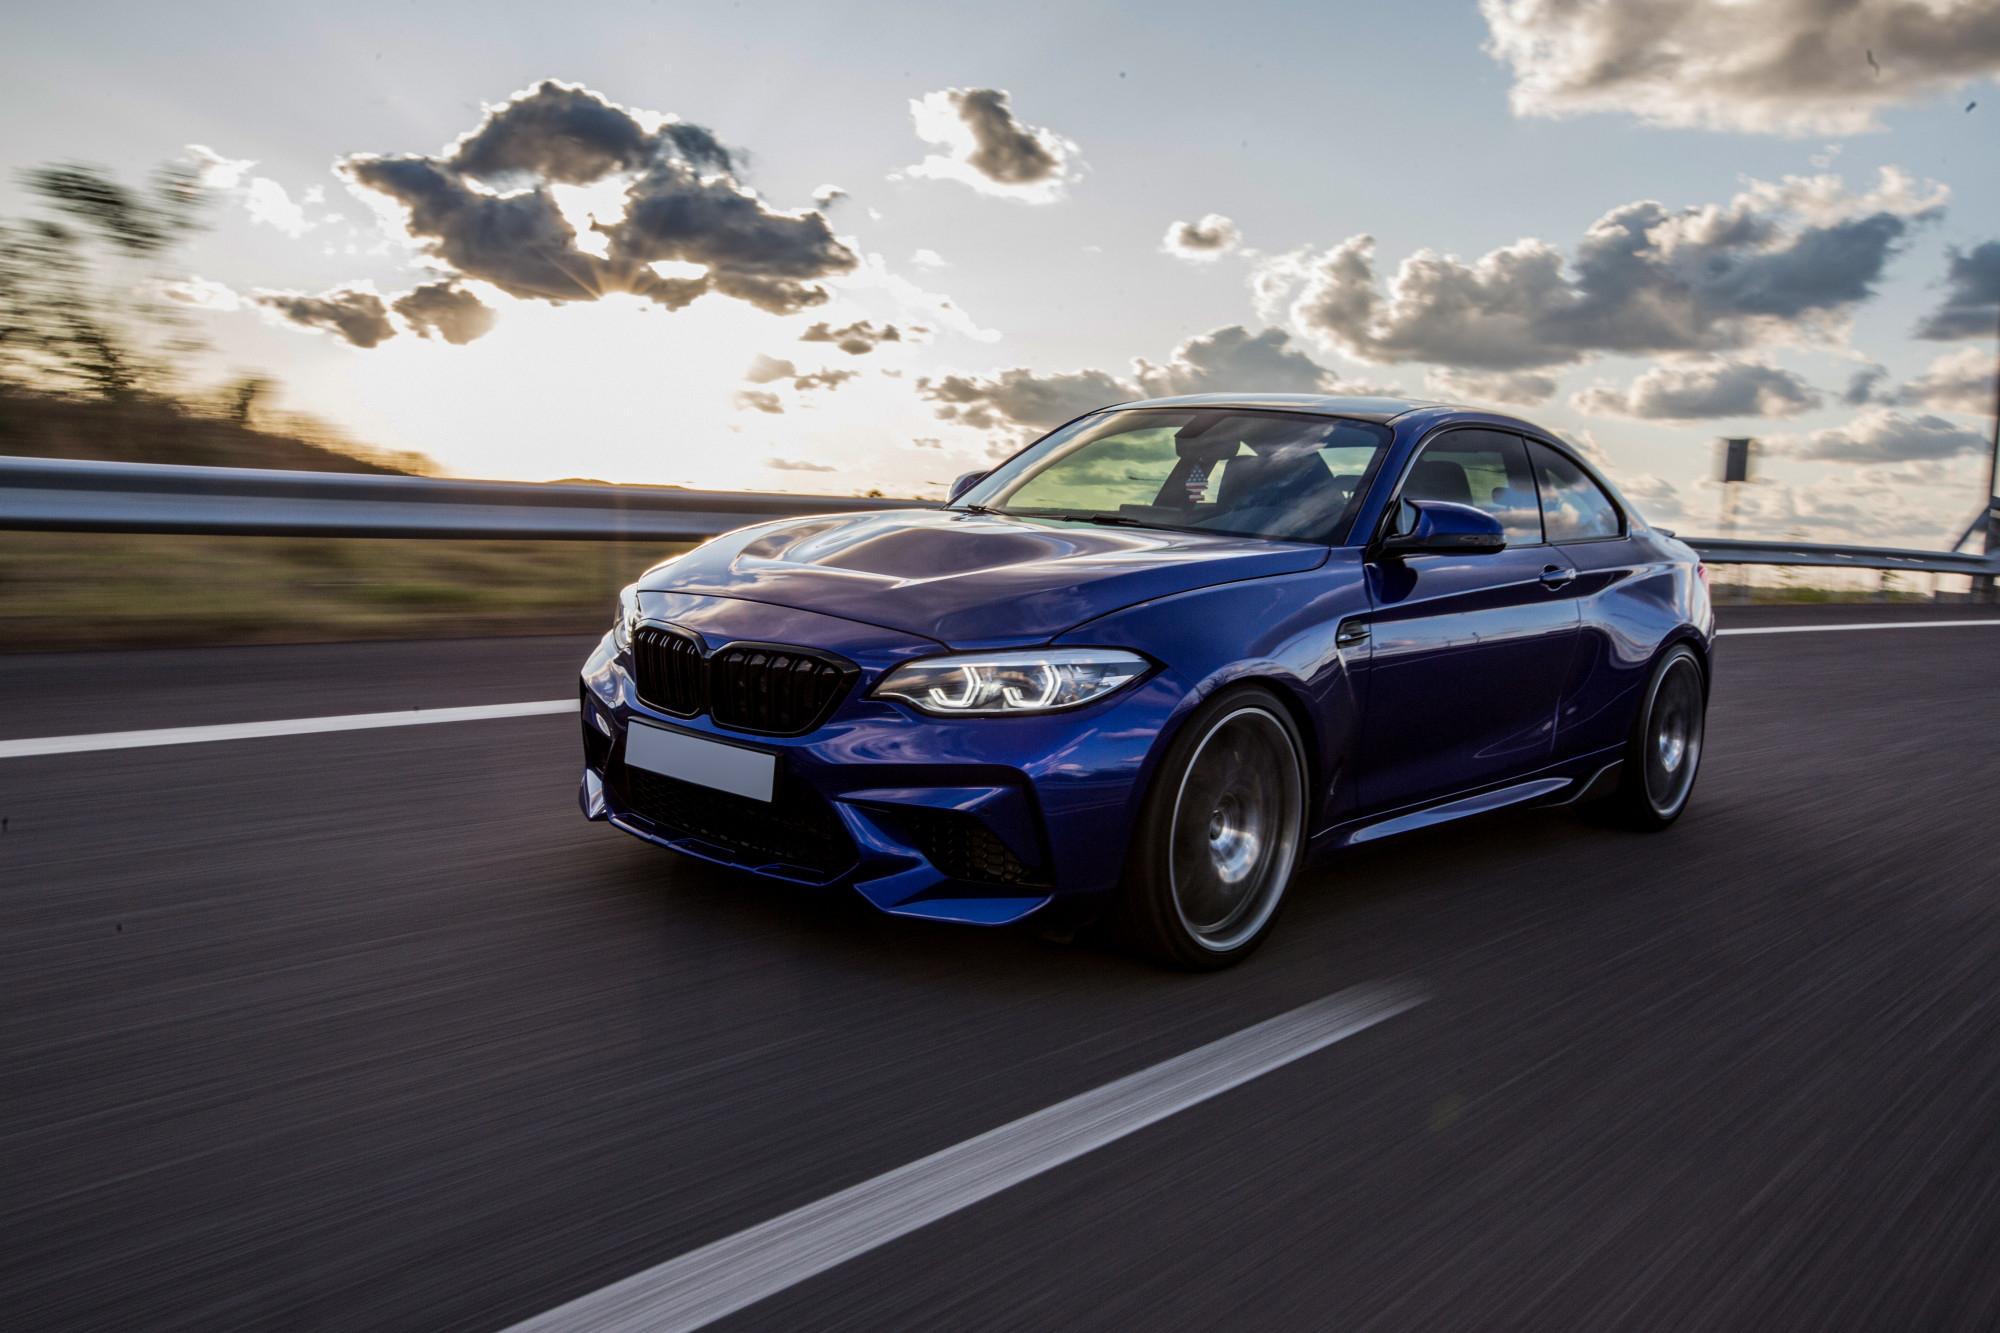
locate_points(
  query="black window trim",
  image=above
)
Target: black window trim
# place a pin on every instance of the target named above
(1396, 495)
(1590, 474)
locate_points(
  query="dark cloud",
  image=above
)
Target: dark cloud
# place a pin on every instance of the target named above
(1225, 360)
(554, 133)
(856, 339)
(761, 399)
(1971, 307)
(451, 312)
(1210, 238)
(1787, 66)
(1234, 360)
(824, 379)
(1005, 150)
(1022, 398)
(1883, 436)
(358, 317)
(682, 205)
(1704, 391)
(1776, 264)
(985, 146)
(1861, 386)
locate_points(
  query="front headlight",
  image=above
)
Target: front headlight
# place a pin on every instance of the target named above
(1029, 680)
(628, 618)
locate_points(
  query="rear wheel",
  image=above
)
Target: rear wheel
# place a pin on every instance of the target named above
(1219, 835)
(1664, 751)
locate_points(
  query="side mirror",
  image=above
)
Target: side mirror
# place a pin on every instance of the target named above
(964, 484)
(1439, 527)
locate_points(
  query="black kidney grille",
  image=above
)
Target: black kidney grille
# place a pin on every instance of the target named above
(797, 828)
(770, 689)
(669, 670)
(963, 847)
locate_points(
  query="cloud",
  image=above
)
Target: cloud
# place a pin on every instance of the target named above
(983, 145)
(1655, 497)
(765, 369)
(826, 196)
(789, 465)
(856, 339)
(1783, 262)
(824, 379)
(1234, 360)
(1882, 436)
(353, 314)
(1204, 241)
(761, 399)
(1513, 388)
(1960, 381)
(262, 198)
(449, 311)
(1971, 307)
(929, 259)
(1704, 390)
(486, 209)
(1776, 66)
(1229, 359)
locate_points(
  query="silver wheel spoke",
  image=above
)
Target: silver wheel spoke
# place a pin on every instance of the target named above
(1235, 832)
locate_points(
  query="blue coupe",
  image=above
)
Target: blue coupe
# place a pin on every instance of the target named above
(1155, 663)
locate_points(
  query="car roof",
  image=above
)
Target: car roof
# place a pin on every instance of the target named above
(1378, 409)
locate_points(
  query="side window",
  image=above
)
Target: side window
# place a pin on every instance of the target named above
(1487, 469)
(1574, 508)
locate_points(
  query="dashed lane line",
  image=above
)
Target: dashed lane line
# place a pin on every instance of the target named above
(424, 717)
(291, 726)
(1863, 624)
(719, 1279)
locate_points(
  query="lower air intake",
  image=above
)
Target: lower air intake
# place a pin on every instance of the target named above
(797, 829)
(963, 847)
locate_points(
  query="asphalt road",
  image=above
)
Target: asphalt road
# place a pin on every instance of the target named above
(372, 1031)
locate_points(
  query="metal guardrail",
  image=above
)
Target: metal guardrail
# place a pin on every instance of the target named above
(1718, 551)
(73, 495)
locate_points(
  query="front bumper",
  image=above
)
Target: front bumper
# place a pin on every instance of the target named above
(976, 820)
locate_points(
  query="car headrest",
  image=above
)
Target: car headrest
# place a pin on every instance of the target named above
(1438, 479)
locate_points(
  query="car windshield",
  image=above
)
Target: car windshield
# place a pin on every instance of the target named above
(1288, 476)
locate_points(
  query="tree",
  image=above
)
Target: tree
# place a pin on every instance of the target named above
(76, 316)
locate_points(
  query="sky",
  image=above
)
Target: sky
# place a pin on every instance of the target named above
(834, 248)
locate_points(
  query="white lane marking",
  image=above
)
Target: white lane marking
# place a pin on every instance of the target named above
(303, 726)
(1864, 624)
(290, 726)
(719, 1279)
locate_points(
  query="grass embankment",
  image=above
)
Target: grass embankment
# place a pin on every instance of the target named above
(106, 590)
(61, 590)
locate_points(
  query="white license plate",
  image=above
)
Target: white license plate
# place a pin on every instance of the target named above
(675, 754)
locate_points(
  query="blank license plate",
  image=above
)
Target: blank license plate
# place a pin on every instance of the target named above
(675, 754)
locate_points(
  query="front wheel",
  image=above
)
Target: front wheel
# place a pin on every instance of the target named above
(1219, 835)
(1665, 747)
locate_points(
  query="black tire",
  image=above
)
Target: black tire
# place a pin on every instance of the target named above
(1663, 754)
(1219, 836)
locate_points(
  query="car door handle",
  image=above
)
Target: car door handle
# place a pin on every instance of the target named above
(1352, 633)
(1558, 576)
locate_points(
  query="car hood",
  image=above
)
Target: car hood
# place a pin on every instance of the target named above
(968, 580)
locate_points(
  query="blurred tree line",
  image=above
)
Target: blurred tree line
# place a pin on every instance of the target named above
(95, 358)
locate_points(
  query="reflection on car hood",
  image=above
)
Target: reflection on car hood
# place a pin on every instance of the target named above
(968, 579)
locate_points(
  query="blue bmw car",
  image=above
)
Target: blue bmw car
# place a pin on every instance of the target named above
(1154, 664)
